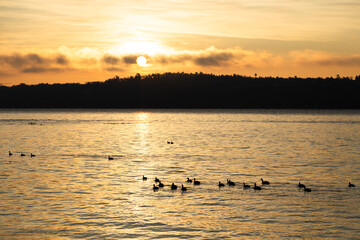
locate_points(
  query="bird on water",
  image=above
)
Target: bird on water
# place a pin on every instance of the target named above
(155, 188)
(183, 188)
(161, 184)
(144, 178)
(189, 180)
(196, 182)
(32, 155)
(256, 187)
(351, 185)
(22, 155)
(265, 182)
(221, 184)
(156, 179)
(173, 186)
(307, 189)
(110, 158)
(230, 183)
(10, 153)
(300, 185)
(246, 186)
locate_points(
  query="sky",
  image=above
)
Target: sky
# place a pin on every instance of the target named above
(82, 41)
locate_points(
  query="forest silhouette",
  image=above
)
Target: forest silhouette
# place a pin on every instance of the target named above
(189, 90)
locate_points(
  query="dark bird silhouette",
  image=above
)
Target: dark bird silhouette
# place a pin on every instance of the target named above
(156, 179)
(155, 188)
(265, 182)
(246, 186)
(196, 182)
(256, 187)
(300, 185)
(183, 188)
(221, 184)
(110, 158)
(307, 189)
(351, 185)
(173, 186)
(144, 178)
(230, 183)
(189, 180)
(161, 184)
(32, 155)
(22, 155)
(10, 153)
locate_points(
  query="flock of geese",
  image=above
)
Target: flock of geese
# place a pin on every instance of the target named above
(220, 184)
(196, 182)
(22, 154)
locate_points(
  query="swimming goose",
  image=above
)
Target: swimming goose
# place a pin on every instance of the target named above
(265, 182)
(221, 184)
(307, 189)
(155, 188)
(351, 185)
(144, 178)
(22, 154)
(188, 180)
(196, 182)
(110, 158)
(246, 186)
(10, 153)
(156, 179)
(161, 184)
(256, 187)
(32, 155)
(300, 185)
(183, 188)
(173, 186)
(230, 183)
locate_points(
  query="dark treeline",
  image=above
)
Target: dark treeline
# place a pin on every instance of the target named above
(182, 90)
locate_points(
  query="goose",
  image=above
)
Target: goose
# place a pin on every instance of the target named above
(351, 185)
(22, 154)
(246, 186)
(300, 185)
(32, 155)
(161, 184)
(155, 188)
(230, 183)
(183, 188)
(188, 180)
(256, 187)
(173, 186)
(307, 189)
(221, 184)
(10, 153)
(110, 158)
(196, 182)
(265, 182)
(144, 178)
(156, 179)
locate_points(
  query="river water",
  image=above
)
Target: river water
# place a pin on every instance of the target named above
(70, 190)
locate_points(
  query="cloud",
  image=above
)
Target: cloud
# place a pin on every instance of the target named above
(130, 59)
(324, 59)
(214, 59)
(34, 63)
(111, 60)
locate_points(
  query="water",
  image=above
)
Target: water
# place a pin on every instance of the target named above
(71, 191)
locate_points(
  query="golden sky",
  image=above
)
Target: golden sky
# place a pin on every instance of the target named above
(92, 40)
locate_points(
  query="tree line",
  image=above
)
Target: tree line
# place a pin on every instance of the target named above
(189, 90)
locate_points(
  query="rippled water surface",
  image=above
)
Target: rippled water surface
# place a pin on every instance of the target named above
(70, 190)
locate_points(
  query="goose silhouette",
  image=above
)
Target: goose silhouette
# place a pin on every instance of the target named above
(32, 155)
(246, 186)
(300, 185)
(230, 183)
(307, 189)
(351, 185)
(196, 182)
(155, 188)
(22, 155)
(189, 180)
(221, 184)
(183, 188)
(265, 182)
(173, 186)
(256, 187)
(110, 158)
(144, 178)
(10, 153)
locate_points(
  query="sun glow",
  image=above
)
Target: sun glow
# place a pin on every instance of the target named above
(141, 61)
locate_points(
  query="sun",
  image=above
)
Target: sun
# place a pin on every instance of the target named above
(141, 61)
